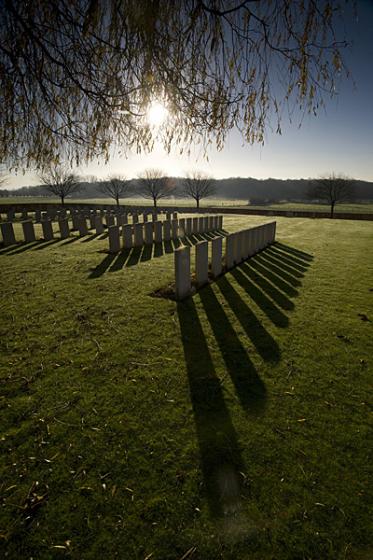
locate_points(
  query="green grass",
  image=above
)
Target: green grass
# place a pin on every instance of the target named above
(234, 425)
(224, 203)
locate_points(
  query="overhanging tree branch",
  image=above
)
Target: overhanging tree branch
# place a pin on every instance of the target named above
(77, 76)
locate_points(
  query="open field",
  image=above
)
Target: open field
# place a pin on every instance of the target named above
(205, 203)
(234, 425)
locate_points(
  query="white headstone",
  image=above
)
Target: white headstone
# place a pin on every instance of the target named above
(7, 232)
(216, 258)
(182, 273)
(64, 228)
(202, 263)
(82, 226)
(158, 237)
(148, 229)
(174, 229)
(47, 230)
(167, 230)
(127, 236)
(98, 225)
(109, 220)
(189, 229)
(138, 229)
(28, 231)
(229, 251)
(114, 239)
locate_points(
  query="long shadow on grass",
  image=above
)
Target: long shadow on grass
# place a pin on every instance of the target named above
(266, 346)
(269, 279)
(21, 248)
(291, 275)
(45, 244)
(220, 454)
(37, 245)
(291, 259)
(91, 237)
(250, 389)
(131, 257)
(293, 265)
(102, 267)
(253, 271)
(266, 270)
(261, 299)
(9, 248)
(295, 252)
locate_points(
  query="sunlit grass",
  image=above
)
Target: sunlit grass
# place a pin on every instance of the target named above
(234, 425)
(205, 203)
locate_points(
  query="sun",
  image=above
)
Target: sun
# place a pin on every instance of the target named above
(156, 114)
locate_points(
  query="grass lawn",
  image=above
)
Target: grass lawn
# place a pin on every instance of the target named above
(233, 425)
(224, 203)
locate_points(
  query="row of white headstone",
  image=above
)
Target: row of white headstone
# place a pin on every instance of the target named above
(79, 223)
(29, 234)
(134, 234)
(117, 216)
(139, 234)
(239, 246)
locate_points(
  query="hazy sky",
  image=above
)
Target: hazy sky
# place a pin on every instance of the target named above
(339, 139)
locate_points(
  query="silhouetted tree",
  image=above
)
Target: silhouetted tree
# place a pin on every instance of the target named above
(3, 176)
(332, 189)
(116, 187)
(154, 185)
(58, 180)
(197, 185)
(78, 75)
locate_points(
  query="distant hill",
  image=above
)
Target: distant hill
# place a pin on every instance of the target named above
(257, 191)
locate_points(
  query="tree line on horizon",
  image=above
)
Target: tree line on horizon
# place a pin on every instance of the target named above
(155, 185)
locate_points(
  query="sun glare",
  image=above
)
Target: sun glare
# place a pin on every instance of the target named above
(156, 114)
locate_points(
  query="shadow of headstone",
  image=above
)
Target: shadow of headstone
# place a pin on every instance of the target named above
(220, 454)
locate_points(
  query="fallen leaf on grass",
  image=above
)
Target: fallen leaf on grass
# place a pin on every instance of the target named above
(188, 553)
(85, 489)
(363, 317)
(344, 338)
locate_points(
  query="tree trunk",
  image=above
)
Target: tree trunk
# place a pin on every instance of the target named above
(62, 200)
(155, 202)
(332, 209)
(117, 199)
(197, 201)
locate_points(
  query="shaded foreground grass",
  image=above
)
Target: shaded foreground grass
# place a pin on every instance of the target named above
(232, 425)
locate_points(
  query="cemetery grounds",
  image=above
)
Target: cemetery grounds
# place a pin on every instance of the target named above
(234, 425)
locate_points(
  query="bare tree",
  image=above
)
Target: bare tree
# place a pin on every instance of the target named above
(153, 184)
(3, 180)
(198, 185)
(332, 189)
(116, 187)
(78, 75)
(60, 181)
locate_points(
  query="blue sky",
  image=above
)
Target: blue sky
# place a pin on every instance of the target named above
(339, 139)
